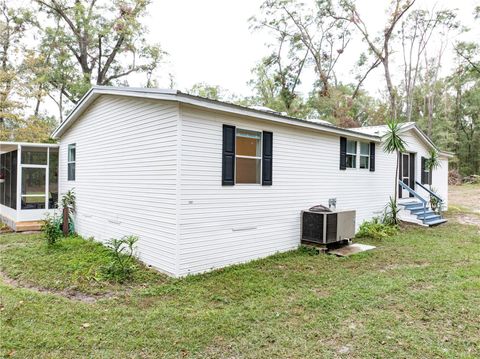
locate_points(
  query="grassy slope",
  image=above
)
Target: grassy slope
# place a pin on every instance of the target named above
(417, 295)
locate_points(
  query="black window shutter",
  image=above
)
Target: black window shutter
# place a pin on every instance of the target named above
(372, 156)
(430, 175)
(412, 172)
(228, 156)
(267, 158)
(423, 173)
(343, 153)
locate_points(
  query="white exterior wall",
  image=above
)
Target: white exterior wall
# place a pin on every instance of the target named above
(440, 175)
(153, 169)
(126, 174)
(440, 181)
(221, 225)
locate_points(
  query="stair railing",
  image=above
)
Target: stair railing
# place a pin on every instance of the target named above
(433, 194)
(415, 194)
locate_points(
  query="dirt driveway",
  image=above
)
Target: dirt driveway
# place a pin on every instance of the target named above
(464, 203)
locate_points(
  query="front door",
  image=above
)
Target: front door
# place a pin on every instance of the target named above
(407, 173)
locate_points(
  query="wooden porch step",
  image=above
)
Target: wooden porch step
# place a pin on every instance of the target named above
(28, 226)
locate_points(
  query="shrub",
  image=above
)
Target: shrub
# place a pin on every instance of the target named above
(376, 229)
(52, 228)
(390, 216)
(122, 263)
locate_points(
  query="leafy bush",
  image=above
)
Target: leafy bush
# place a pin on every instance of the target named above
(376, 229)
(122, 264)
(52, 228)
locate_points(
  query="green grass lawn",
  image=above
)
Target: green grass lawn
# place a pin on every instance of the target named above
(417, 295)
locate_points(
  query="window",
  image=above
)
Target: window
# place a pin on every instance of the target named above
(71, 161)
(351, 154)
(364, 155)
(248, 156)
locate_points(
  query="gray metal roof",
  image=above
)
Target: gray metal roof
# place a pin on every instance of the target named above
(175, 95)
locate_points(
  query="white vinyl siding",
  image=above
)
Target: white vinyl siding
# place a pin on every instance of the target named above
(126, 169)
(222, 225)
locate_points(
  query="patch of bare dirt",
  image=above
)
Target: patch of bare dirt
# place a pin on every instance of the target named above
(69, 294)
(468, 219)
(465, 197)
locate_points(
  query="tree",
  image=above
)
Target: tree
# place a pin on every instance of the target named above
(95, 43)
(380, 46)
(15, 84)
(318, 38)
(213, 92)
(415, 33)
(394, 143)
(12, 29)
(202, 89)
(275, 85)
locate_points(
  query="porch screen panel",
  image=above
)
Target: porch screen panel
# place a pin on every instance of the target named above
(53, 179)
(33, 187)
(34, 155)
(8, 189)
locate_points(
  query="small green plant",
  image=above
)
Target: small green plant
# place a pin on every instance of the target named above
(122, 264)
(394, 142)
(52, 224)
(376, 229)
(390, 216)
(435, 203)
(432, 163)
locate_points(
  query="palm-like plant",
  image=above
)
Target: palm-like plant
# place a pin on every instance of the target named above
(432, 163)
(394, 143)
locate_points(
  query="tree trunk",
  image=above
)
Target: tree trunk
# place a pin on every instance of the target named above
(391, 90)
(65, 222)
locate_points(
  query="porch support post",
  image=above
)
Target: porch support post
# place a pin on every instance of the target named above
(19, 182)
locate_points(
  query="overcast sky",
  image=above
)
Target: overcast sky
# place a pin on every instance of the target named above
(210, 40)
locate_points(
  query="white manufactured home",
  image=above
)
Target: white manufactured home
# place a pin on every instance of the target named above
(205, 184)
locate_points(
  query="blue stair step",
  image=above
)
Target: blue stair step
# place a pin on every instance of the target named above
(410, 205)
(420, 210)
(428, 215)
(435, 222)
(405, 204)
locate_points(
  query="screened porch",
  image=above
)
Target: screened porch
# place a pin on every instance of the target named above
(28, 181)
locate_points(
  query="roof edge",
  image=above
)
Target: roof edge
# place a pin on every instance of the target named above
(174, 95)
